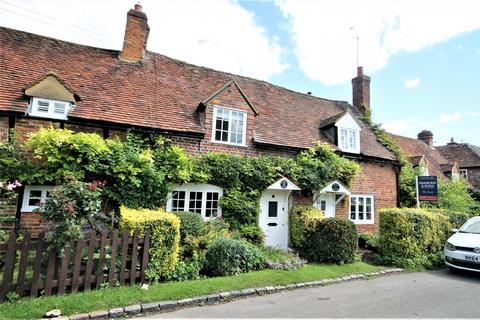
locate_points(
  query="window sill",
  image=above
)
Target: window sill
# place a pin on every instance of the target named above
(362, 222)
(46, 116)
(229, 144)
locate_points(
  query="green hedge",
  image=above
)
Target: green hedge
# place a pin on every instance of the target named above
(191, 224)
(412, 238)
(457, 219)
(164, 238)
(302, 218)
(227, 256)
(331, 240)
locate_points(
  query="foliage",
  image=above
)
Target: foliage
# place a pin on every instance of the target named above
(453, 196)
(69, 209)
(456, 219)
(320, 165)
(301, 219)
(196, 247)
(164, 231)
(191, 225)
(240, 208)
(186, 270)
(368, 240)
(11, 161)
(227, 256)
(409, 236)
(331, 240)
(281, 259)
(252, 233)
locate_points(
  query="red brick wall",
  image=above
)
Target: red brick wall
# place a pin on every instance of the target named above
(3, 129)
(33, 223)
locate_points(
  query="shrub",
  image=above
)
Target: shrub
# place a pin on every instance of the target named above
(191, 224)
(457, 219)
(252, 233)
(69, 208)
(196, 247)
(164, 238)
(331, 240)
(409, 236)
(369, 241)
(302, 218)
(227, 256)
(239, 208)
(186, 270)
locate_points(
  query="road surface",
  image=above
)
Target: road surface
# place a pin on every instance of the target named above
(434, 294)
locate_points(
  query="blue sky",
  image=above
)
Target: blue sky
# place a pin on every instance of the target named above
(423, 56)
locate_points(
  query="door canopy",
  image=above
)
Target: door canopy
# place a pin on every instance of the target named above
(283, 184)
(335, 187)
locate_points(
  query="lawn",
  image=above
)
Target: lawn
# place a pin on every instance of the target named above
(127, 295)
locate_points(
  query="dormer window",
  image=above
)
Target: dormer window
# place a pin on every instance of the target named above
(348, 140)
(48, 108)
(229, 126)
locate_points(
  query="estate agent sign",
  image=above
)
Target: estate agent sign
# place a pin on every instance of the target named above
(427, 188)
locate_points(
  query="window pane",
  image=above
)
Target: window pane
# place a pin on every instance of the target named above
(323, 205)
(34, 202)
(42, 106)
(361, 209)
(59, 108)
(178, 200)
(272, 209)
(212, 204)
(195, 204)
(35, 193)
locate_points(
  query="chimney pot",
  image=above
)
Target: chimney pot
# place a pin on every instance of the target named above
(359, 71)
(138, 7)
(426, 136)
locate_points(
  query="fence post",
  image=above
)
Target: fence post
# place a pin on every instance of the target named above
(124, 257)
(52, 257)
(64, 268)
(22, 269)
(133, 266)
(146, 248)
(77, 262)
(9, 265)
(101, 261)
(37, 266)
(88, 271)
(113, 259)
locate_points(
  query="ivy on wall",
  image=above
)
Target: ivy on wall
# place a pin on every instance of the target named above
(139, 172)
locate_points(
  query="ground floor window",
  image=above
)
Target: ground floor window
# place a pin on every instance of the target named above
(200, 198)
(34, 197)
(362, 209)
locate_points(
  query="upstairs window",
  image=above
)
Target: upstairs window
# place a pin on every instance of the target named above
(48, 108)
(34, 197)
(348, 140)
(229, 126)
(463, 174)
(200, 198)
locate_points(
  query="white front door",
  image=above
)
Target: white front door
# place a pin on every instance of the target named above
(326, 203)
(274, 217)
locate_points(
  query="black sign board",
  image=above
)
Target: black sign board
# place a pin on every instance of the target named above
(427, 188)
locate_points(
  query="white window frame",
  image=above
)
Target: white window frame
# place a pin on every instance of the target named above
(244, 129)
(364, 220)
(352, 135)
(26, 196)
(463, 173)
(204, 189)
(50, 113)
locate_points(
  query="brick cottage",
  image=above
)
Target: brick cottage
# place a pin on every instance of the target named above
(46, 82)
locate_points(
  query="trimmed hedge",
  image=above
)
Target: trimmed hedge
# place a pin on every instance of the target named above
(412, 238)
(227, 256)
(302, 218)
(457, 219)
(164, 238)
(331, 240)
(191, 224)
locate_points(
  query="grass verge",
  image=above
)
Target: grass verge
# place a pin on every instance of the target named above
(127, 295)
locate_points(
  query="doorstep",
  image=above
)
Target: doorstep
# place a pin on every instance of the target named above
(171, 305)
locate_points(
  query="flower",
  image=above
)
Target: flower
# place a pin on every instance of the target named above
(144, 287)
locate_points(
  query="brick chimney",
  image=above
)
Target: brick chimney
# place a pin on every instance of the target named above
(426, 136)
(361, 92)
(136, 35)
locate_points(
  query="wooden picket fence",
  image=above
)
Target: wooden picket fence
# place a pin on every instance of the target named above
(29, 269)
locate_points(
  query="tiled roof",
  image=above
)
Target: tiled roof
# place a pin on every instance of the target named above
(415, 149)
(159, 92)
(466, 155)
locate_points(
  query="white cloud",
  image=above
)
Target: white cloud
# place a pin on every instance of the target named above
(402, 127)
(219, 34)
(447, 118)
(325, 44)
(411, 83)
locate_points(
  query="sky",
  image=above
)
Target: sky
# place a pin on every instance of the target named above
(423, 56)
